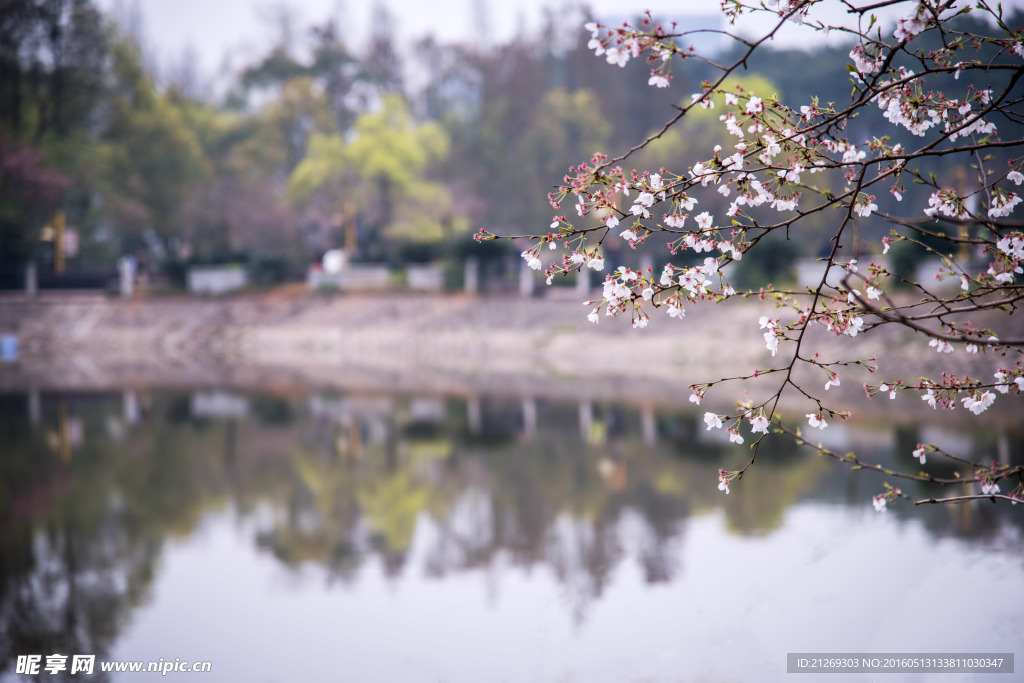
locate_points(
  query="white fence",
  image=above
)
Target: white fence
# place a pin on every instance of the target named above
(426, 278)
(359, 277)
(217, 279)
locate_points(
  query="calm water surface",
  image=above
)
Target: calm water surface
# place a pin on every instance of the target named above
(416, 538)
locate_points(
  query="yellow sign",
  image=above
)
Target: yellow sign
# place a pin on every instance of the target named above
(58, 242)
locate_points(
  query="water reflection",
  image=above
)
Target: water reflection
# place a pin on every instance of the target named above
(93, 488)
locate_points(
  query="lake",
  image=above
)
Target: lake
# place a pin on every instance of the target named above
(400, 537)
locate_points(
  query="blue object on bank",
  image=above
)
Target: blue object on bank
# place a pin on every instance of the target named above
(8, 348)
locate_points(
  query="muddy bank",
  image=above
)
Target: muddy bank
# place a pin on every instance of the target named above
(298, 341)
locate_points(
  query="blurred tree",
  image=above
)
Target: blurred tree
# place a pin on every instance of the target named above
(152, 158)
(337, 70)
(137, 159)
(276, 69)
(238, 212)
(380, 172)
(382, 67)
(52, 55)
(286, 123)
(568, 129)
(28, 195)
(491, 99)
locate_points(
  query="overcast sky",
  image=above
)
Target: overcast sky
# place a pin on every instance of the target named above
(212, 28)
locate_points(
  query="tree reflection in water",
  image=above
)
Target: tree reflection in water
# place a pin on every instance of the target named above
(576, 489)
(75, 558)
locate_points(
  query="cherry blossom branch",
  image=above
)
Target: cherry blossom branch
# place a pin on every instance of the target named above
(965, 499)
(777, 145)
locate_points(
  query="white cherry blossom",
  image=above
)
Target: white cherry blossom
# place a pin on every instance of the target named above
(759, 424)
(815, 420)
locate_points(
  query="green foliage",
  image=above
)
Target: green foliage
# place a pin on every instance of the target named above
(323, 166)
(152, 159)
(52, 57)
(389, 146)
(386, 147)
(276, 69)
(567, 130)
(380, 171)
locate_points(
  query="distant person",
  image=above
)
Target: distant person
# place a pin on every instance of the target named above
(126, 268)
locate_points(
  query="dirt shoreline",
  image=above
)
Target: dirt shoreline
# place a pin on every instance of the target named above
(291, 340)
